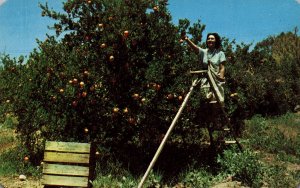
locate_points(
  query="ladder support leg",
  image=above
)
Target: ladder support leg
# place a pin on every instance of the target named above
(162, 144)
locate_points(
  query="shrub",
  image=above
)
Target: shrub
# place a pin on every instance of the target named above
(200, 178)
(278, 176)
(243, 166)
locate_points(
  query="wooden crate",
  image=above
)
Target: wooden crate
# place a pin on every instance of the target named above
(68, 164)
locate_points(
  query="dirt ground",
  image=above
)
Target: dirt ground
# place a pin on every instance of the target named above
(14, 182)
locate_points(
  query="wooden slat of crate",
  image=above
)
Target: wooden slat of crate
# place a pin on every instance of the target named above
(58, 169)
(65, 180)
(50, 156)
(68, 147)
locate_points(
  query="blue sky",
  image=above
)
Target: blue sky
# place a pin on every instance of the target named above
(244, 20)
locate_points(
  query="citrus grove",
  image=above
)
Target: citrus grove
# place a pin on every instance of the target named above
(116, 72)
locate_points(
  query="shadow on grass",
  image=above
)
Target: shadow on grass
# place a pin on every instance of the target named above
(172, 162)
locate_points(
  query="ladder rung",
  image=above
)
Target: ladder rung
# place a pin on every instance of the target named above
(198, 72)
(230, 141)
(221, 129)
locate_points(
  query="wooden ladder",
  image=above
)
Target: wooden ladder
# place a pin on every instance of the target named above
(229, 127)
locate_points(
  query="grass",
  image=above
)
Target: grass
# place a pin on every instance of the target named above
(8, 165)
(7, 139)
(7, 143)
(110, 173)
(271, 158)
(12, 154)
(277, 141)
(278, 135)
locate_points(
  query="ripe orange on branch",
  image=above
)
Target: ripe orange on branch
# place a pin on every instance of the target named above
(180, 98)
(74, 103)
(233, 94)
(132, 121)
(101, 26)
(86, 73)
(53, 98)
(136, 96)
(81, 84)
(155, 8)
(84, 94)
(126, 110)
(126, 34)
(111, 58)
(103, 45)
(26, 159)
(75, 81)
(157, 87)
(115, 109)
(170, 96)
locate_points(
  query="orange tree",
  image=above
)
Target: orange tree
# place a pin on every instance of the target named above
(9, 82)
(115, 73)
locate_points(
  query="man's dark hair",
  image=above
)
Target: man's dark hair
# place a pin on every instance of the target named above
(217, 37)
